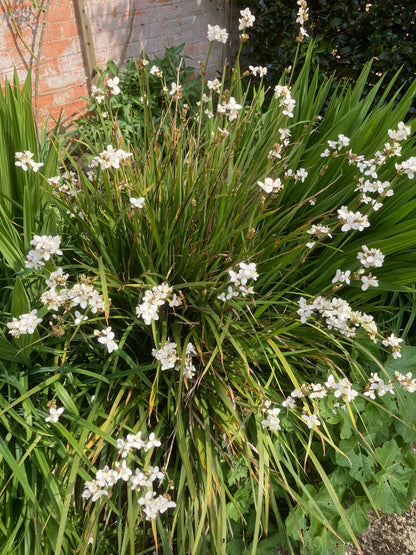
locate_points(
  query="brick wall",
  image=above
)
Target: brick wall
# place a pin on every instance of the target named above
(118, 29)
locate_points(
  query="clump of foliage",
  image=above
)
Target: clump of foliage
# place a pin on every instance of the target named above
(24, 206)
(347, 35)
(127, 107)
(199, 357)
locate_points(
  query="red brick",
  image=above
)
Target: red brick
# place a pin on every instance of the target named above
(70, 29)
(190, 50)
(61, 81)
(80, 90)
(50, 67)
(63, 98)
(75, 61)
(45, 100)
(56, 49)
(76, 107)
(53, 33)
(60, 13)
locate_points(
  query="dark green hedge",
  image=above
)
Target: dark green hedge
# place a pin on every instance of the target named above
(348, 33)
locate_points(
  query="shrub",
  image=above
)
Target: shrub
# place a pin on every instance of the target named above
(347, 35)
(212, 261)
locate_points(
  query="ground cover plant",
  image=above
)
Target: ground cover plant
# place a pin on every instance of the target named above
(200, 357)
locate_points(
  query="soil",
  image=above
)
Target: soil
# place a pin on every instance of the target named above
(389, 535)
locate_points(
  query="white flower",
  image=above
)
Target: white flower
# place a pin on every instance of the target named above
(189, 369)
(407, 382)
(409, 167)
(246, 272)
(231, 292)
(137, 202)
(289, 402)
(214, 85)
(176, 90)
(311, 420)
(401, 133)
(247, 19)
(284, 133)
(152, 300)
(282, 92)
(215, 33)
(106, 337)
(302, 15)
(175, 301)
(318, 391)
(54, 414)
(79, 318)
(272, 421)
(230, 109)
(153, 506)
(262, 71)
(57, 279)
(167, 355)
(371, 257)
(155, 473)
(239, 279)
(338, 145)
(297, 394)
(98, 94)
(154, 70)
(140, 480)
(45, 247)
(270, 185)
(378, 385)
(305, 310)
(276, 151)
(342, 277)
(152, 441)
(132, 441)
(123, 471)
(24, 160)
(112, 84)
(393, 342)
(343, 141)
(25, 324)
(343, 389)
(339, 315)
(91, 489)
(330, 383)
(111, 158)
(319, 231)
(54, 299)
(368, 281)
(224, 132)
(84, 295)
(301, 174)
(352, 220)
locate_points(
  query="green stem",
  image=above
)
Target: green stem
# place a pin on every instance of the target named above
(16, 28)
(294, 63)
(237, 64)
